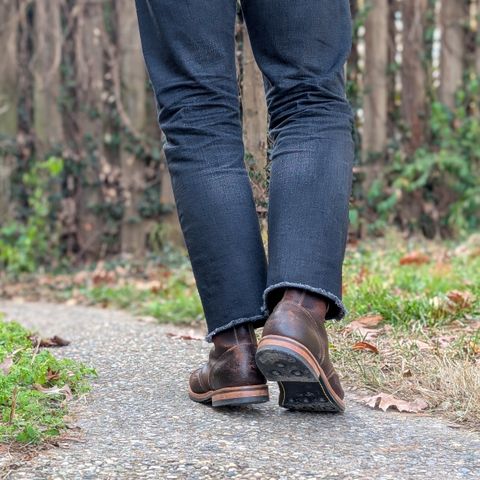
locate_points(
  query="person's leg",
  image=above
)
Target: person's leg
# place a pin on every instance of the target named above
(301, 48)
(189, 50)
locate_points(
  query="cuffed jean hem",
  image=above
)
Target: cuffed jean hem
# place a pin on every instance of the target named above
(332, 314)
(257, 320)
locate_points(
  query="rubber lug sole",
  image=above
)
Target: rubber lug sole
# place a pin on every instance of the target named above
(303, 384)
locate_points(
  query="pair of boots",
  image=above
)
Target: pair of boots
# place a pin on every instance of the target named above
(293, 351)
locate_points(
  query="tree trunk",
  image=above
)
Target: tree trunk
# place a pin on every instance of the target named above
(47, 80)
(376, 81)
(477, 54)
(133, 98)
(353, 58)
(414, 105)
(392, 107)
(8, 99)
(254, 107)
(89, 69)
(454, 17)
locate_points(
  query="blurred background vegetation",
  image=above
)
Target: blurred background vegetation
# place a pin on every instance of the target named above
(82, 172)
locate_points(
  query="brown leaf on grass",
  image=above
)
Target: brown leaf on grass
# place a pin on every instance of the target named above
(65, 390)
(362, 326)
(384, 401)
(51, 375)
(415, 258)
(365, 346)
(452, 301)
(153, 286)
(474, 347)
(461, 299)
(54, 341)
(369, 320)
(100, 277)
(365, 333)
(6, 365)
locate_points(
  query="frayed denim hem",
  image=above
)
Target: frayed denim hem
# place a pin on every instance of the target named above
(342, 311)
(239, 321)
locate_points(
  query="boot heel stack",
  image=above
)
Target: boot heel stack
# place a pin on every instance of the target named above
(233, 396)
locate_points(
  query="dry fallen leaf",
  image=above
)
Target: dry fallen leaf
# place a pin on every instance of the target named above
(100, 277)
(153, 286)
(384, 401)
(365, 346)
(365, 333)
(362, 326)
(452, 301)
(54, 341)
(474, 347)
(370, 320)
(182, 337)
(6, 365)
(65, 390)
(414, 258)
(462, 299)
(51, 375)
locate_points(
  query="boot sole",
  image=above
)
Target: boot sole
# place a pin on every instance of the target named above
(303, 384)
(232, 396)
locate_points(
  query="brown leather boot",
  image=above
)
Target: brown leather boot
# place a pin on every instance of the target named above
(294, 352)
(230, 377)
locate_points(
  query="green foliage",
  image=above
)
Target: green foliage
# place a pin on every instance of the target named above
(26, 244)
(443, 175)
(36, 414)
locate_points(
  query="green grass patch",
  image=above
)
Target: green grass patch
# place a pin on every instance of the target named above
(34, 387)
(176, 300)
(410, 295)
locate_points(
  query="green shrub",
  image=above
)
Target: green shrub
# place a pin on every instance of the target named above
(25, 244)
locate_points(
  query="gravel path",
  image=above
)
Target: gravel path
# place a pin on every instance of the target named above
(139, 422)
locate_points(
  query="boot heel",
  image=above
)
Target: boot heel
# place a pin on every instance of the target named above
(303, 384)
(232, 396)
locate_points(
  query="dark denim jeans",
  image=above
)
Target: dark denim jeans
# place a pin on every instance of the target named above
(301, 47)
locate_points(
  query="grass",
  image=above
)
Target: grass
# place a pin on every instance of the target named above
(412, 295)
(34, 387)
(173, 299)
(418, 365)
(426, 293)
(428, 346)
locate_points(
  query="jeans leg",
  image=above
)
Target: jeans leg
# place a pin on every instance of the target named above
(189, 51)
(301, 47)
